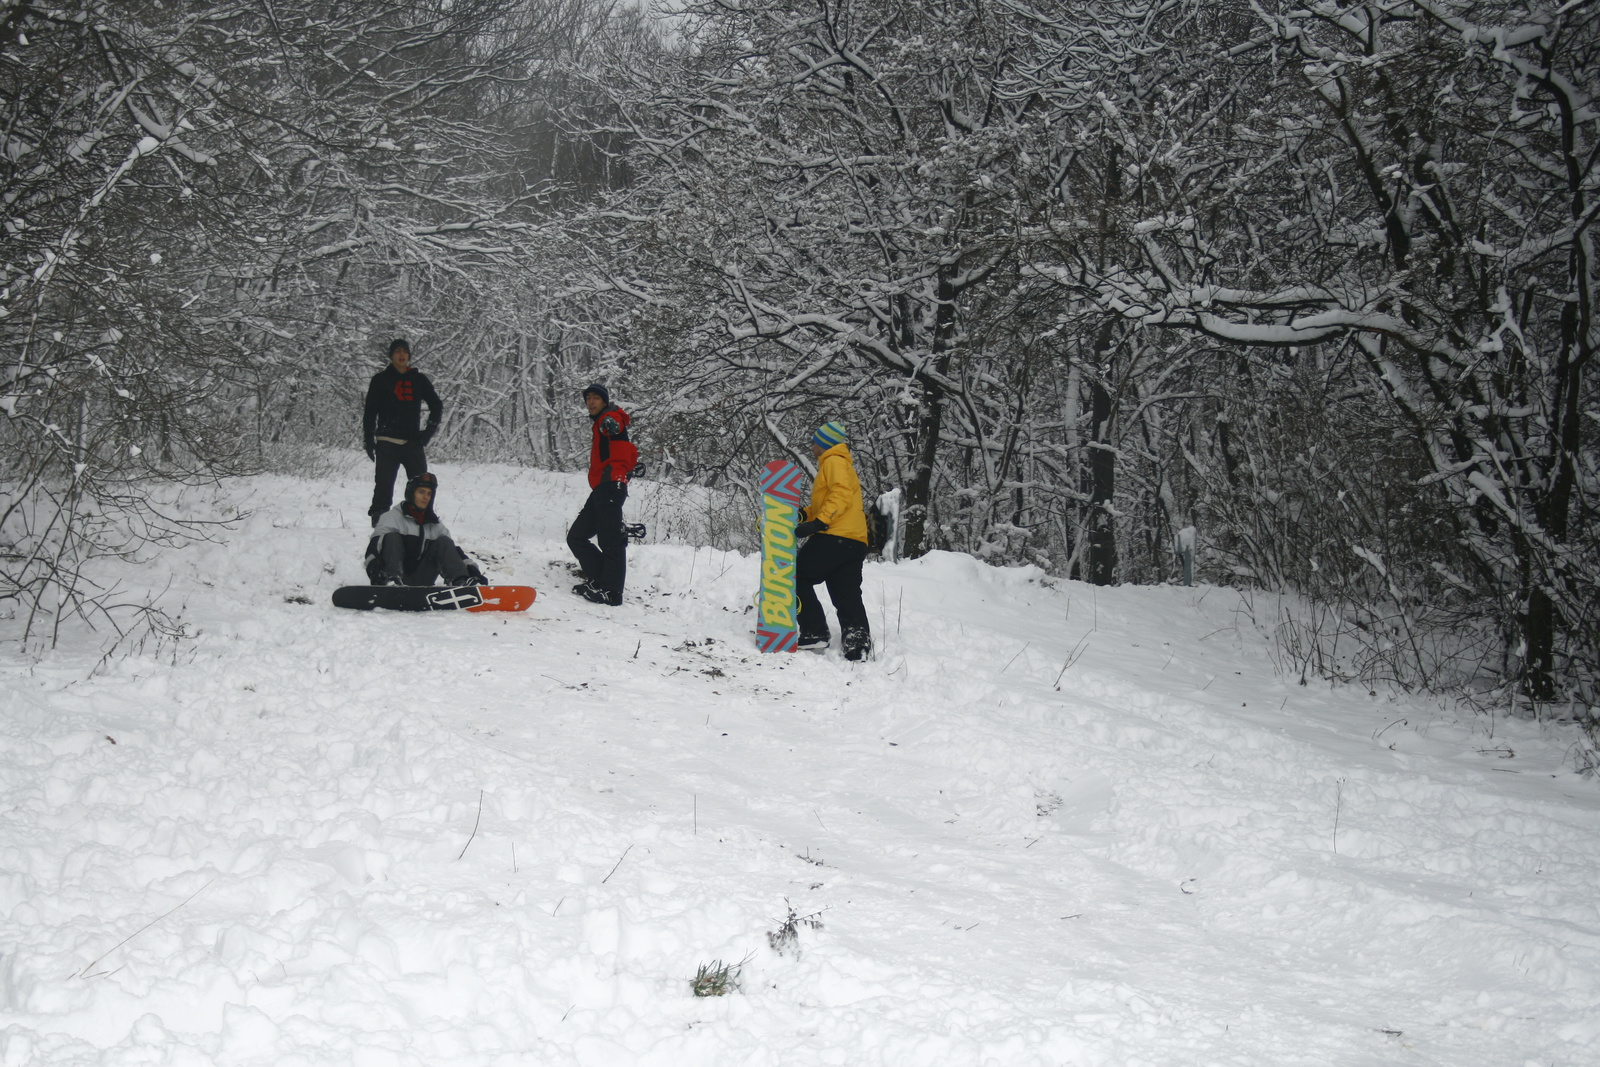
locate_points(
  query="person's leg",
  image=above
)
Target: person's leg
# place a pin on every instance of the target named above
(613, 541)
(374, 563)
(451, 563)
(415, 459)
(812, 622)
(385, 467)
(844, 589)
(473, 572)
(427, 572)
(392, 551)
(584, 527)
(812, 565)
(437, 557)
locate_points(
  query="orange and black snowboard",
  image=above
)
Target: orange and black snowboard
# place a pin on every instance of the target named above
(434, 597)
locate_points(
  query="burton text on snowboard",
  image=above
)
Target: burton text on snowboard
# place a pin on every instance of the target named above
(782, 493)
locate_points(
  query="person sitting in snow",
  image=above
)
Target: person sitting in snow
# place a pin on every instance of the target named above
(410, 546)
(835, 527)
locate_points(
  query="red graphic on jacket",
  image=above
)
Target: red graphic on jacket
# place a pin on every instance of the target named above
(394, 406)
(611, 455)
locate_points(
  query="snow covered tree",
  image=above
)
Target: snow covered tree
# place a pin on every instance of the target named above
(825, 195)
(192, 195)
(1403, 190)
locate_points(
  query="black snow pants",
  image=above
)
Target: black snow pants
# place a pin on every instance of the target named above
(440, 556)
(837, 562)
(387, 465)
(601, 519)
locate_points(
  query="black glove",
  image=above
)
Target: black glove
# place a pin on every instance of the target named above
(390, 579)
(806, 529)
(372, 450)
(427, 435)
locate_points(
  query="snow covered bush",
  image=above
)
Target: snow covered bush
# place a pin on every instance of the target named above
(715, 979)
(1063, 267)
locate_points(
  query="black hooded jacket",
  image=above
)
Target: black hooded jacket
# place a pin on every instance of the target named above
(394, 404)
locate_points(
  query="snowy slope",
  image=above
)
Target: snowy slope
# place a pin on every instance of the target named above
(1046, 825)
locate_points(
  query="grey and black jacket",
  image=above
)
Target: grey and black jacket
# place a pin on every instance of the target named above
(419, 544)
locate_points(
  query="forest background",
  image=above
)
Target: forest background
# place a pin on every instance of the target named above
(1303, 292)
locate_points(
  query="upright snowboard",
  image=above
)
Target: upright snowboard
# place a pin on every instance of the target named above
(782, 493)
(434, 597)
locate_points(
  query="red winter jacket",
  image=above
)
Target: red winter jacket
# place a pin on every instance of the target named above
(611, 455)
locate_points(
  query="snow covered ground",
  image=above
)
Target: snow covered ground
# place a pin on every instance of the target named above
(1046, 825)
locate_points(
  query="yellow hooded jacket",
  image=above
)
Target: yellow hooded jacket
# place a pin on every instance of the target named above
(836, 495)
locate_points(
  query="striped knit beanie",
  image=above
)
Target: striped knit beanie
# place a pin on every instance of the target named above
(829, 434)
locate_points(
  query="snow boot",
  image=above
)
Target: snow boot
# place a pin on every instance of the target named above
(594, 594)
(857, 643)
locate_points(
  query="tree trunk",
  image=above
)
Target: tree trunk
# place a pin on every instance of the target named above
(930, 421)
(921, 484)
(1539, 624)
(552, 362)
(1539, 631)
(1102, 487)
(1102, 466)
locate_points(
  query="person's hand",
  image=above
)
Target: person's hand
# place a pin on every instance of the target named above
(427, 435)
(806, 529)
(372, 451)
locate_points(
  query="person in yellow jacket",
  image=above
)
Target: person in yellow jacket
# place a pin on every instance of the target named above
(835, 529)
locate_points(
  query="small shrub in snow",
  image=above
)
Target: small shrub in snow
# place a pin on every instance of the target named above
(716, 979)
(785, 940)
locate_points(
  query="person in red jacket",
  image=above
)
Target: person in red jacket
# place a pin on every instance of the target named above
(611, 459)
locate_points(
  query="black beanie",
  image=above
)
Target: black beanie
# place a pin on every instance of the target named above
(598, 390)
(398, 342)
(426, 478)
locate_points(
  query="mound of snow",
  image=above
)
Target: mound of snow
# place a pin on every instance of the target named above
(1046, 824)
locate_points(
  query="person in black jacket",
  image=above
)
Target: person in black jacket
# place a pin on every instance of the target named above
(389, 423)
